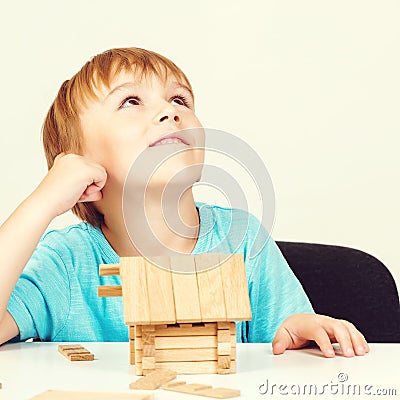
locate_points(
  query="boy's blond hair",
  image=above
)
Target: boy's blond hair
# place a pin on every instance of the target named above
(61, 129)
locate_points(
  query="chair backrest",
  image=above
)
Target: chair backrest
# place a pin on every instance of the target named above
(349, 284)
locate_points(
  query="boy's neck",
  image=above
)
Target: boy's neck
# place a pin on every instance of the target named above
(114, 228)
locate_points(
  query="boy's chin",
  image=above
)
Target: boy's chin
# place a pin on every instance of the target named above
(182, 178)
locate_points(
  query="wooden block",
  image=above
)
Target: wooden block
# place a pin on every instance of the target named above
(62, 347)
(1, 385)
(189, 367)
(148, 338)
(154, 380)
(225, 324)
(224, 362)
(134, 290)
(189, 342)
(138, 350)
(109, 269)
(131, 330)
(193, 388)
(148, 341)
(148, 351)
(148, 363)
(201, 390)
(132, 358)
(138, 330)
(185, 326)
(160, 291)
(195, 330)
(236, 292)
(69, 394)
(172, 384)
(172, 355)
(75, 352)
(224, 349)
(81, 357)
(109, 291)
(186, 295)
(161, 326)
(220, 393)
(211, 292)
(138, 368)
(224, 336)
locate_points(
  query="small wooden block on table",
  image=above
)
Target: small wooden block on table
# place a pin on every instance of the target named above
(75, 352)
(154, 380)
(201, 390)
(68, 395)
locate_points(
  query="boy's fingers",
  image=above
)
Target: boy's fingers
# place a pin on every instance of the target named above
(342, 336)
(92, 193)
(282, 341)
(360, 345)
(323, 342)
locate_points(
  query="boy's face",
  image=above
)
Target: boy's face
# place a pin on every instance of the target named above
(131, 116)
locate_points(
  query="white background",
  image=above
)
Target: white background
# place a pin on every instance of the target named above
(313, 86)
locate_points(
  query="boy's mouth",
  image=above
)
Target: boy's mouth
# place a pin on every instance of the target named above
(167, 140)
(172, 138)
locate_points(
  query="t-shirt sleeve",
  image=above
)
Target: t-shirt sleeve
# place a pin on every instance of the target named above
(40, 300)
(275, 292)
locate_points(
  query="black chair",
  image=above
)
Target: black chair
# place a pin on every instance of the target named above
(349, 284)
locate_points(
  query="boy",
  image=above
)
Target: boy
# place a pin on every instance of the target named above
(123, 102)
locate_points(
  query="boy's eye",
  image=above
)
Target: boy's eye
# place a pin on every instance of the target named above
(181, 100)
(130, 101)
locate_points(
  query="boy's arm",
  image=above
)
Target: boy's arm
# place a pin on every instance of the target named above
(72, 178)
(8, 328)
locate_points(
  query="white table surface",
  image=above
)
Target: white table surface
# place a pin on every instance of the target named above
(27, 369)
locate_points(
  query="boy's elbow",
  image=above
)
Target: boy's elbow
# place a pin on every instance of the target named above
(8, 328)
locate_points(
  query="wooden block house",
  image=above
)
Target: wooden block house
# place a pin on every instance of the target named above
(182, 321)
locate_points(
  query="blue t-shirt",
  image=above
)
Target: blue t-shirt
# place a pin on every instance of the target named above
(56, 298)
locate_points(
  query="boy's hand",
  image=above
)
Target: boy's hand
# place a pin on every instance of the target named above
(297, 330)
(72, 179)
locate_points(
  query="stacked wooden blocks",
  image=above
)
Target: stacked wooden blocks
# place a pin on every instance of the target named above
(182, 321)
(75, 352)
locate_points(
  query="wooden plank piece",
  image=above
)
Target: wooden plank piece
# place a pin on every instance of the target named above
(189, 367)
(109, 269)
(170, 355)
(134, 290)
(154, 380)
(186, 295)
(202, 390)
(109, 291)
(81, 357)
(75, 352)
(160, 291)
(224, 362)
(211, 292)
(69, 394)
(220, 393)
(223, 335)
(236, 292)
(191, 342)
(62, 347)
(195, 330)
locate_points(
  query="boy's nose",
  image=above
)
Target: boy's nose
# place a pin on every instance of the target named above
(175, 117)
(169, 114)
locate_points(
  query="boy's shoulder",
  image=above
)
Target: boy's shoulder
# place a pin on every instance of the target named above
(217, 213)
(74, 238)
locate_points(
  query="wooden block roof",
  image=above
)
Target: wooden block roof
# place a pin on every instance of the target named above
(154, 295)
